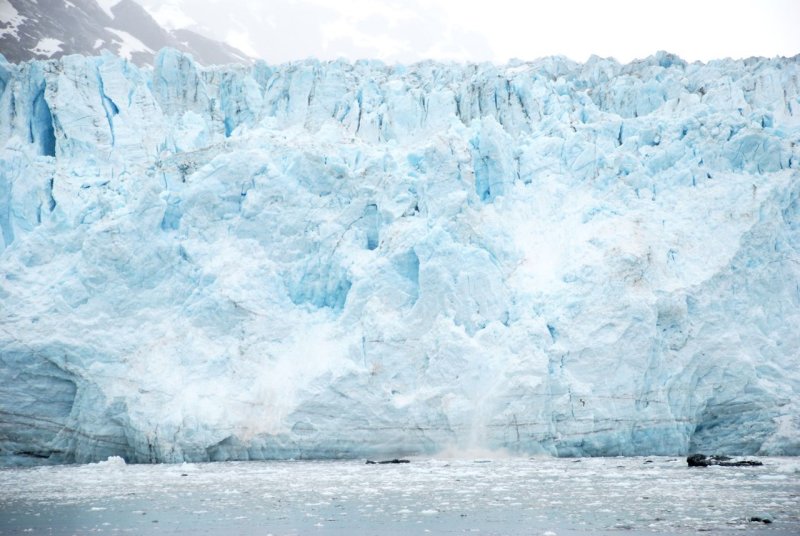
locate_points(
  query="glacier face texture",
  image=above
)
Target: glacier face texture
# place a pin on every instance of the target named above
(343, 260)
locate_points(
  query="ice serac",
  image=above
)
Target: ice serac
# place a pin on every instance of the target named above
(340, 260)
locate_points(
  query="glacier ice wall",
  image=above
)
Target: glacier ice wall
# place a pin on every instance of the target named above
(340, 260)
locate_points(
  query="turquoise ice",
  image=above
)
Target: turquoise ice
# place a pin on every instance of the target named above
(331, 259)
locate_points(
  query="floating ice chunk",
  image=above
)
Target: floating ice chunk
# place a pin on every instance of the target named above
(112, 462)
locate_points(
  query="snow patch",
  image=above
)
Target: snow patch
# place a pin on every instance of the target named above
(128, 44)
(47, 47)
(106, 6)
(170, 16)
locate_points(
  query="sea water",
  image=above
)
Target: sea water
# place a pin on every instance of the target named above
(545, 496)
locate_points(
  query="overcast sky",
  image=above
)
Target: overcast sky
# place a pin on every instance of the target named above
(491, 30)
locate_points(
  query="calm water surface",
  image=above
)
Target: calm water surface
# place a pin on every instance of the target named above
(541, 496)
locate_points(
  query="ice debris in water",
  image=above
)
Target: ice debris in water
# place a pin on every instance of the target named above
(111, 462)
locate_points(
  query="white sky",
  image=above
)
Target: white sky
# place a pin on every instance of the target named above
(491, 30)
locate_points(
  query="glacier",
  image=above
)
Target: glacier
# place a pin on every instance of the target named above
(337, 260)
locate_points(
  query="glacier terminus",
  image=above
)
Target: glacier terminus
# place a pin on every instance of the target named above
(340, 260)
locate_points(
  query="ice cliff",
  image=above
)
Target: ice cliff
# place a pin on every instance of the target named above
(341, 260)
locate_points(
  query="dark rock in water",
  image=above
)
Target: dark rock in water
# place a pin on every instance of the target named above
(760, 519)
(701, 460)
(372, 462)
(698, 460)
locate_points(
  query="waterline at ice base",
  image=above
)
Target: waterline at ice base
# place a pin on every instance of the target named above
(345, 260)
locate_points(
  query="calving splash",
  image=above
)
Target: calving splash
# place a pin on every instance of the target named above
(342, 260)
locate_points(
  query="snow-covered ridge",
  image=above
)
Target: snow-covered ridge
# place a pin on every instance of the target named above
(340, 260)
(55, 28)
